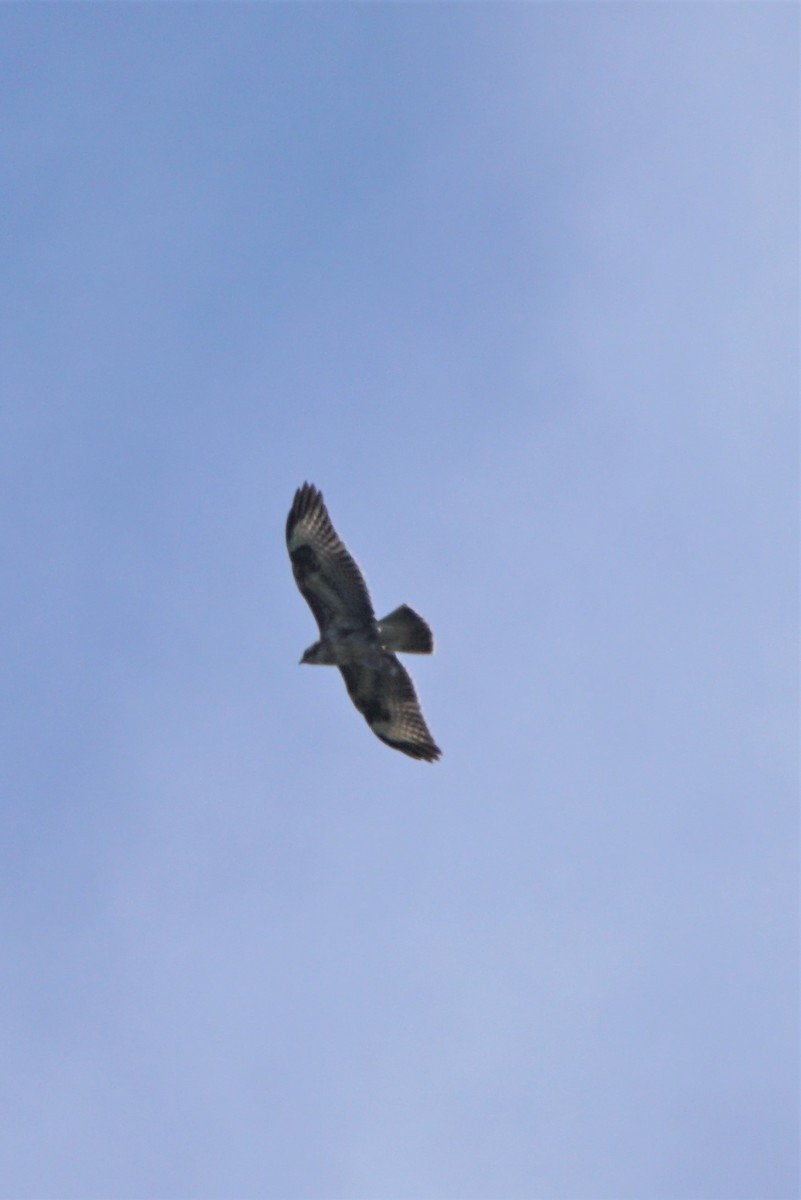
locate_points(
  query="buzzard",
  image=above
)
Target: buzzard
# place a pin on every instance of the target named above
(350, 636)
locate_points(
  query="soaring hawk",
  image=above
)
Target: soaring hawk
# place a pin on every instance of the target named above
(350, 636)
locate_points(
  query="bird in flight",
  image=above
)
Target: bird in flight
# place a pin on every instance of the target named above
(350, 636)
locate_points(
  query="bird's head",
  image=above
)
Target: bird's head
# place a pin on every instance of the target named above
(312, 655)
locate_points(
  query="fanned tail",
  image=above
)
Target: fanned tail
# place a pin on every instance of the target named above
(403, 630)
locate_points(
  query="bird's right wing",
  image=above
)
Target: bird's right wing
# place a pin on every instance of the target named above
(386, 698)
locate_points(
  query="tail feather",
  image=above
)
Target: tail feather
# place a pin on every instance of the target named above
(403, 630)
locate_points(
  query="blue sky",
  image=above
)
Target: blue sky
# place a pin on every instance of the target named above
(517, 287)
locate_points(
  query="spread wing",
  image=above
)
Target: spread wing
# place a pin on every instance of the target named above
(386, 698)
(325, 573)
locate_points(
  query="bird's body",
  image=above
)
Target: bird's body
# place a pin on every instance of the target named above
(350, 636)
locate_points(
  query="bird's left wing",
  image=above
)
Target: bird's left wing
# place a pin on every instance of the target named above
(327, 576)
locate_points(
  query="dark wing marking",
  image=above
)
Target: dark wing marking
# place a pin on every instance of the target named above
(386, 698)
(327, 576)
